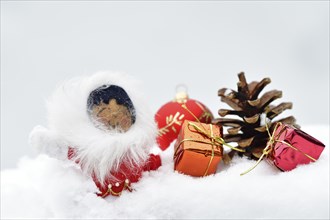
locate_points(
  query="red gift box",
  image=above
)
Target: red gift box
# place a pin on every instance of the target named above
(292, 147)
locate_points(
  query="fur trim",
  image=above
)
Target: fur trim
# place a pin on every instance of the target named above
(100, 151)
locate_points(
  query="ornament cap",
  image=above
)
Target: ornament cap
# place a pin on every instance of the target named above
(181, 95)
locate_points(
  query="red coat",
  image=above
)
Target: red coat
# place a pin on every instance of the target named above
(124, 176)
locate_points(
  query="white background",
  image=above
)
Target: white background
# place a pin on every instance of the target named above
(162, 43)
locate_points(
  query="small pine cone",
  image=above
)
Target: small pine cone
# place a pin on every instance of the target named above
(249, 132)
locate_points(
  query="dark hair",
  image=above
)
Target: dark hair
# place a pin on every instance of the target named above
(107, 92)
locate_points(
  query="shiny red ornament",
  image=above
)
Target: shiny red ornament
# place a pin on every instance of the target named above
(170, 117)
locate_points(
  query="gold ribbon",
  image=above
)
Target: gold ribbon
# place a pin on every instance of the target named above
(218, 140)
(204, 132)
(210, 136)
(215, 141)
(212, 147)
(270, 145)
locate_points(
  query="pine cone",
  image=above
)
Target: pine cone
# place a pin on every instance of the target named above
(250, 132)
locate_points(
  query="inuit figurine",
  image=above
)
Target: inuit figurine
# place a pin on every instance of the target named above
(101, 123)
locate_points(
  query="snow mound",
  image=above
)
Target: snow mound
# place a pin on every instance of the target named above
(48, 188)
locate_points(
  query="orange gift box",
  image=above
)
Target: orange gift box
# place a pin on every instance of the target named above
(196, 151)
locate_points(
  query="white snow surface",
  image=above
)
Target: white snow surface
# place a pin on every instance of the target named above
(45, 187)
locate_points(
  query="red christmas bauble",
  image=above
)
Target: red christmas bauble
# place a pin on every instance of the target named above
(170, 117)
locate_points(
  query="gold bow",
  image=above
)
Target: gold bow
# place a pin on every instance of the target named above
(218, 140)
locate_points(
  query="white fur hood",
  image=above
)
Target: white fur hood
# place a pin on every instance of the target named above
(97, 150)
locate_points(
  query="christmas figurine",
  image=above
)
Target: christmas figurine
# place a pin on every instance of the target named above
(101, 123)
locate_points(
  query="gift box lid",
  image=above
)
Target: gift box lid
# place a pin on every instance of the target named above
(192, 137)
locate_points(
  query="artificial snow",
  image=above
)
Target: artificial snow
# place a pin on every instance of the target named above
(45, 187)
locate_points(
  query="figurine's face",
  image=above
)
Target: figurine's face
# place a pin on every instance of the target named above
(112, 115)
